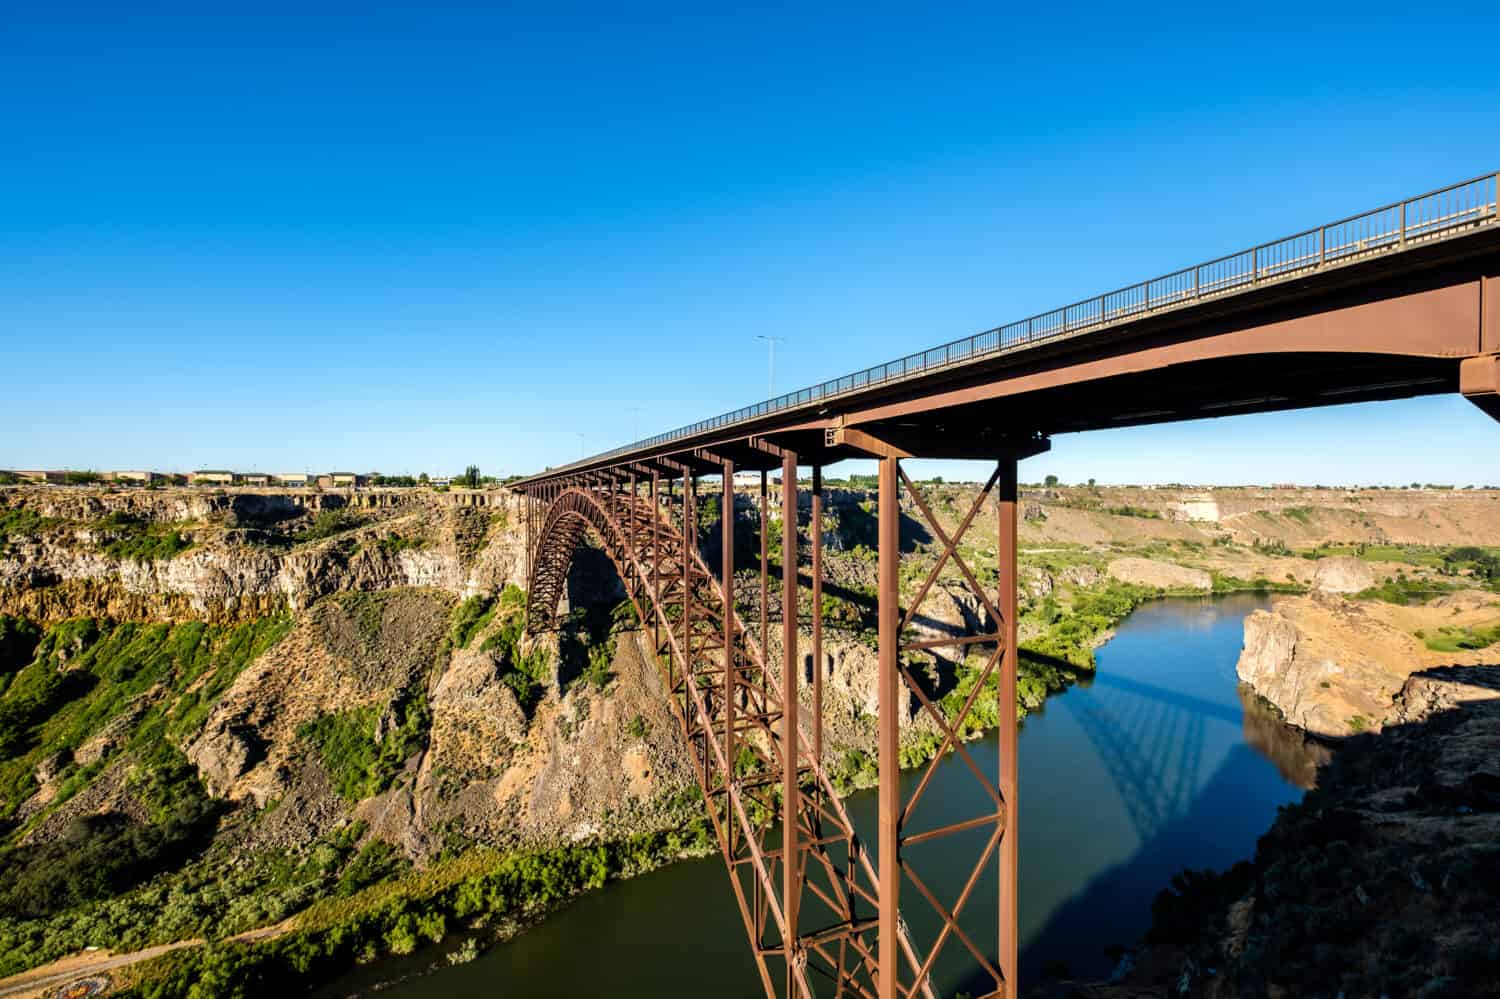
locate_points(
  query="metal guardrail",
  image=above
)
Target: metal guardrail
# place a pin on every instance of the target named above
(1391, 228)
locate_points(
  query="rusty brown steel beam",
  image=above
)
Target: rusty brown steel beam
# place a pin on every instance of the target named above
(726, 584)
(1479, 377)
(1009, 726)
(765, 557)
(648, 556)
(790, 804)
(889, 725)
(817, 612)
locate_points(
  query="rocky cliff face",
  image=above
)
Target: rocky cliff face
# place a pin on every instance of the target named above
(396, 694)
(1332, 665)
(251, 553)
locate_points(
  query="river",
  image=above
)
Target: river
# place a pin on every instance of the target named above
(1154, 766)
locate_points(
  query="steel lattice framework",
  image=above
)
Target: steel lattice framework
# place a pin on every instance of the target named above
(1393, 303)
(818, 901)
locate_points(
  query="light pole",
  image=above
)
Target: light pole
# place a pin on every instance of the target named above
(771, 342)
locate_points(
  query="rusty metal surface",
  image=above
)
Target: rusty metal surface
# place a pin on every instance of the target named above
(804, 884)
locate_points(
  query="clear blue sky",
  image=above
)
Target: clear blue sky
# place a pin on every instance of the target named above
(416, 237)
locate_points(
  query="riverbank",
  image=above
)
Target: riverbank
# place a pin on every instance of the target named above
(1382, 882)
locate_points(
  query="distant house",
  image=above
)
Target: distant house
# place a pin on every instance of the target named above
(39, 475)
(257, 479)
(211, 477)
(292, 480)
(440, 482)
(344, 480)
(135, 478)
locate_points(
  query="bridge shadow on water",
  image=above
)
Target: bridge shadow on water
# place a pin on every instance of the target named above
(1192, 780)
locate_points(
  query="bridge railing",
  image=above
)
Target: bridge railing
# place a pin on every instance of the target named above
(1390, 228)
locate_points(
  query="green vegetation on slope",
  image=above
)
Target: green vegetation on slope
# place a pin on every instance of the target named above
(84, 674)
(396, 916)
(1456, 639)
(137, 540)
(328, 523)
(359, 760)
(525, 673)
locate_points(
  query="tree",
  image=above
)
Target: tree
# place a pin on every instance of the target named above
(470, 478)
(1091, 483)
(1051, 481)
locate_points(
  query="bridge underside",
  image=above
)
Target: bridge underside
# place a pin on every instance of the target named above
(830, 912)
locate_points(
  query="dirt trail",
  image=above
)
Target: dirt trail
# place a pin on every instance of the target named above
(39, 981)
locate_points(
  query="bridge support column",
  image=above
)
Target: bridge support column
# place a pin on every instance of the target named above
(816, 530)
(888, 832)
(726, 584)
(791, 804)
(1009, 735)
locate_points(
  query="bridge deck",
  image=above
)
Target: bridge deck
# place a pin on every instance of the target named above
(1374, 306)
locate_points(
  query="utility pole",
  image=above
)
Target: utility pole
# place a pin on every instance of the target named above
(771, 342)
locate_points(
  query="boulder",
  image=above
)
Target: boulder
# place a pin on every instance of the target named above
(224, 754)
(1342, 574)
(949, 610)
(472, 696)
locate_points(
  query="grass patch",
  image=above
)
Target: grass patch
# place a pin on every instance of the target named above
(525, 673)
(1133, 511)
(23, 522)
(394, 543)
(360, 763)
(1455, 639)
(84, 673)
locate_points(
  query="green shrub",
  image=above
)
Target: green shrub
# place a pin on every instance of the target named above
(1456, 639)
(1403, 591)
(328, 523)
(469, 618)
(358, 764)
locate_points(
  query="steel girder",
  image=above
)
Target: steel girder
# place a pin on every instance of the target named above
(837, 900)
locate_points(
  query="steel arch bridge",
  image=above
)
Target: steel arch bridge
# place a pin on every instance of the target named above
(1397, 302)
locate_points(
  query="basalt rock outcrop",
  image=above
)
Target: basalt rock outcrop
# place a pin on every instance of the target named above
(463, 545)
(1343, 574)
(1332, 665)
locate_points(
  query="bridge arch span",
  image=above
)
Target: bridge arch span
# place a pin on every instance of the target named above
(573, 514)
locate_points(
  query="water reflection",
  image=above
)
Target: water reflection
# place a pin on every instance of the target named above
(1178, 777)
(1296, 755)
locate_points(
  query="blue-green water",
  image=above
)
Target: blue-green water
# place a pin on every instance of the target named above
(1152, 767)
